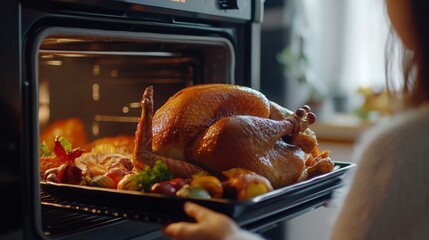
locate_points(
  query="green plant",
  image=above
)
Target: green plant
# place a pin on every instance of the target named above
(296, 66)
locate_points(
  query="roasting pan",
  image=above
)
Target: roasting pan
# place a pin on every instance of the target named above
(278, 205)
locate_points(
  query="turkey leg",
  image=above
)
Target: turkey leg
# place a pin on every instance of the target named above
(143, 154)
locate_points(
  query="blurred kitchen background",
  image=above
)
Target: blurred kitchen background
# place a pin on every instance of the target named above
(330, 55)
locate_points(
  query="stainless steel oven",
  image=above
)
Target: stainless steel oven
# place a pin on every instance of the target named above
(91, 60)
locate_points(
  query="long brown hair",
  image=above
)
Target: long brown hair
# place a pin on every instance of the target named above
(415, 64)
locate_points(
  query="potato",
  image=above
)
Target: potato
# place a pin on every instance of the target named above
(128, 182)
(102, 181)
(210, 183)
(244, 184)
(116, 174)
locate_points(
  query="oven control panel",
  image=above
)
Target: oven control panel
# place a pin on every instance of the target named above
(228, 4)
(240, 9)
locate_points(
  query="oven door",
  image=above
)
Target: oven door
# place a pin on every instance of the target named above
(96, 78)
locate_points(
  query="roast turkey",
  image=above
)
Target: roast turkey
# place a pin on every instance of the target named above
(215, 127)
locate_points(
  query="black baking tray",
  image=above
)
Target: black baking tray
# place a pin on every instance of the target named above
(278, 205)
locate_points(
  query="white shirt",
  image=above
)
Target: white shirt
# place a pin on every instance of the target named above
(389, 195)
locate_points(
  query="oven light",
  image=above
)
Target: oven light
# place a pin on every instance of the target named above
(114, 73)
(96, 70)
(95, 92)
(47, 56)
(135, 105)
(95, 129)
(53, 62)
(44, 109)
(44, 113)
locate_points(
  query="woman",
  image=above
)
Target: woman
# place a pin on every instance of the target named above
(389, 196)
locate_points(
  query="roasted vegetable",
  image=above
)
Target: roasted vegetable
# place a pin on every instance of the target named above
(102, 181)
(165, 188)
(193, 192)
(44, 150)
(124, 164)
(98, 164)
(116, 174)
(128, 182)
(85, 181)
(210, 183)
(242, 184)
(169, 187)
(178, 183)
(151, 175)
(69, 173)
(62, 153)
(52, 177)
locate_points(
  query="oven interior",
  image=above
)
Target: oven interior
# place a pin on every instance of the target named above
(97, 78)
(100, 79)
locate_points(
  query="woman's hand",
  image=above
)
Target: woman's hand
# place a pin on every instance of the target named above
(209, 225)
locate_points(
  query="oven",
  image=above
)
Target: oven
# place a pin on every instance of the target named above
(81, 67)
(91, 60)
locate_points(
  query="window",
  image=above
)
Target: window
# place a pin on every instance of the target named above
(343, 42)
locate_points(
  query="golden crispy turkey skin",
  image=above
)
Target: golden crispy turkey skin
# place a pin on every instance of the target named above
(252, 143)
(192, 110)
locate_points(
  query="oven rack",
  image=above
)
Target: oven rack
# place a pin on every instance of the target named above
(72, 222)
